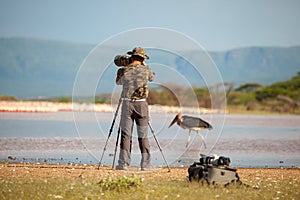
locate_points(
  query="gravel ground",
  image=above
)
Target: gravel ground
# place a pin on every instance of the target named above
(19, 170)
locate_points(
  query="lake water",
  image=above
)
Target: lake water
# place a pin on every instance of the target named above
(66, 137)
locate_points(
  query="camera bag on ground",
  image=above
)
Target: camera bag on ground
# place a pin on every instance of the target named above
(213, 170)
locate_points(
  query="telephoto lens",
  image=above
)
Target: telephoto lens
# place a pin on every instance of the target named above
(210, 159)
(122, 60)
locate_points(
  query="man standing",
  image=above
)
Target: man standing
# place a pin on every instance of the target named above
(134, 78)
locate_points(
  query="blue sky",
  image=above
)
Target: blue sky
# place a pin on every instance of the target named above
(216, 25)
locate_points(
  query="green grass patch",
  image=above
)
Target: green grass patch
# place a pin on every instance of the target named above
(122, 183)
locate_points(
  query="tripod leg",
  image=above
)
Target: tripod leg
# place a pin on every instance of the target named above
(110, 131)
(100, 162)
(152, 131)
(203, 140)
(188, 140)
(116, 147)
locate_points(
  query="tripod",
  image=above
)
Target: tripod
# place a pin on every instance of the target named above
(152, 131)
(117, 141)
(110, 131)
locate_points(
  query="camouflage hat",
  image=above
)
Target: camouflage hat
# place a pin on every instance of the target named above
(138, 51)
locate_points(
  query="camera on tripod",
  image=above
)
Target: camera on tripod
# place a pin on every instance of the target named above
(122, 60)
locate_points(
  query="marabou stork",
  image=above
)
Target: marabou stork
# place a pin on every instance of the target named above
(191, 123)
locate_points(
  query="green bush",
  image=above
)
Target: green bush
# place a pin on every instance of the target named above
(8, 98)
(290, 88)
(249, 87)
(241, 98)
(64, 100)
(124, 182)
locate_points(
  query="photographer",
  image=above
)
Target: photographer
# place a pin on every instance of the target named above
(134, 78)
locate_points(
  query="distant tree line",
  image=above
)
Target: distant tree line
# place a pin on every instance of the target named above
(280, 97)
(8, 98)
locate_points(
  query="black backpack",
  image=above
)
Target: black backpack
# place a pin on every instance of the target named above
(213, 171)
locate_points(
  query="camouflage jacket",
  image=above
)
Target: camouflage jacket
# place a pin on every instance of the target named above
(134, 79)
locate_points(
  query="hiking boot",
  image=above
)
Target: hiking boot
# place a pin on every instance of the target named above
(148, 168)
(121, 167)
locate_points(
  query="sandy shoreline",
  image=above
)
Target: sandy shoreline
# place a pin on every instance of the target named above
(45, 106)
(22, 170)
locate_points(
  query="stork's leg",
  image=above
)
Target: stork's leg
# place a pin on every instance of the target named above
(188, 140)
(202, 137)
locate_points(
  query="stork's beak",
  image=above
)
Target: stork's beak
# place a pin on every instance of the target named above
(174, 120)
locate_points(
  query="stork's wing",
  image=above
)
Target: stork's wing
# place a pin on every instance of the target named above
(192, 122)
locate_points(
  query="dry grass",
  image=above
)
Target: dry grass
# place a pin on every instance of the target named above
(33, 181)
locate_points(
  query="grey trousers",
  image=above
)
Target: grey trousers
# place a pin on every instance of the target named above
(134, 111)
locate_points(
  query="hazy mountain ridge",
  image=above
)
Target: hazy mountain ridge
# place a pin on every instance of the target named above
(263, 65)
(37, 67)
(33, 67)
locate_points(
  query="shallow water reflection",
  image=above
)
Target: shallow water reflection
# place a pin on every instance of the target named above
(249, 140)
